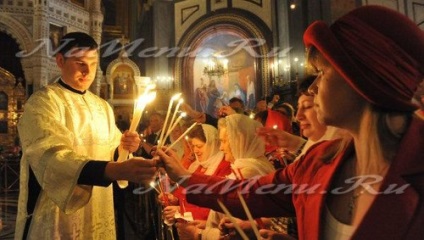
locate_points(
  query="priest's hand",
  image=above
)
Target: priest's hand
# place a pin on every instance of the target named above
(130, 141)
(137, 169)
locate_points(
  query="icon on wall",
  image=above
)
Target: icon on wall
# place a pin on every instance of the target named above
(56, 32)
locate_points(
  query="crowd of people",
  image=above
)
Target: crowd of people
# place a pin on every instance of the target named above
(347, 164)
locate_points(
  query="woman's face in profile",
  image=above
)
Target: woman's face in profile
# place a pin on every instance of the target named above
(307, 118)
(335, 101)
(225, 145)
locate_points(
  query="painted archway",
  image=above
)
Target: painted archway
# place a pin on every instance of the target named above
(23, 38)
(206, 39)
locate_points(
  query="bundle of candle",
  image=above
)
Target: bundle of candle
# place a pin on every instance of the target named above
(165, 123)
(139, 106)
(170, 124)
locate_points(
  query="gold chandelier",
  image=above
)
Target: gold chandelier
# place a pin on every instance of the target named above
(216, 67)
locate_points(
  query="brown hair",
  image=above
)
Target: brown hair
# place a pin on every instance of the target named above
(197, 132)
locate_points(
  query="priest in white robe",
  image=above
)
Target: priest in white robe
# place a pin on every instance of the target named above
(69, 138)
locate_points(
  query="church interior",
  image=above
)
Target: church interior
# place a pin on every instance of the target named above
(241, 48)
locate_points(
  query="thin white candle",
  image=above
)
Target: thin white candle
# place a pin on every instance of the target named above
(173, 117)
(236, 225)
(249, 216)
(182, 135)
(171, 128)
(165, 123)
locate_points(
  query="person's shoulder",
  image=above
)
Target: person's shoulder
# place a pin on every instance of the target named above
(317, 153)
(45, 92)
(251, 167)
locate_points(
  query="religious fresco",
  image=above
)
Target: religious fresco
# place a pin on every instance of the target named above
(220, 73)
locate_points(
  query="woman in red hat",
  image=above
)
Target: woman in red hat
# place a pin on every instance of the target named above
(370, 185)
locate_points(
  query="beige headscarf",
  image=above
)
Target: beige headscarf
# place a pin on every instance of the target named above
(247, 148)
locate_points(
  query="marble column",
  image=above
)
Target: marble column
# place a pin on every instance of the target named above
(40, 58)
(96, 20)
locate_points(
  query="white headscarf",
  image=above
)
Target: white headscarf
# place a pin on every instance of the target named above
(213, 159)
(247, 148)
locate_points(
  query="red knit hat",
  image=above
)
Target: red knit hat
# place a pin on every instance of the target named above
(378, 51)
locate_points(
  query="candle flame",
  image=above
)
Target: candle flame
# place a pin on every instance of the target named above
(176, 96)
(150, 97)
(139, 102)
(151, 86)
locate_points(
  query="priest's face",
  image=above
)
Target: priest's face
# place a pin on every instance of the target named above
(78, 67)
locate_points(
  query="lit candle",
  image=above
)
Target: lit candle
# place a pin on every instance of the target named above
(182, 135)
(174, 125)
(175, 97)
(173, 116)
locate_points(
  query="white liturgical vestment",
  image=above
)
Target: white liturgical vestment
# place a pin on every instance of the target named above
(61, 131)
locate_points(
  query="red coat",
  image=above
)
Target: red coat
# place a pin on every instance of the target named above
(391, 216)
(201, 213)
